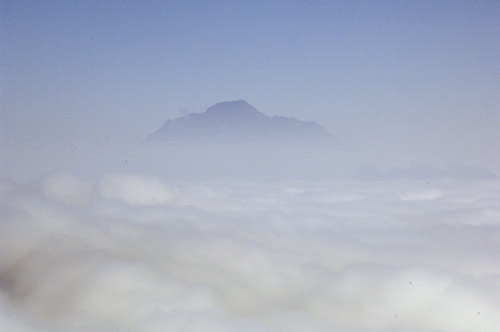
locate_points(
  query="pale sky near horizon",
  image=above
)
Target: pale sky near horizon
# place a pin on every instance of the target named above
(397, 80)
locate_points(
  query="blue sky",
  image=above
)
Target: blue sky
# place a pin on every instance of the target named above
(399, 80)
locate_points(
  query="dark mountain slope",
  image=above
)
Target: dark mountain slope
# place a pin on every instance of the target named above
(238, 121)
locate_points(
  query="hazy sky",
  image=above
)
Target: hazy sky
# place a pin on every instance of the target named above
(398, 80)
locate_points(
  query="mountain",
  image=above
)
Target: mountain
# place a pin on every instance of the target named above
(238, 121)
(233, 140)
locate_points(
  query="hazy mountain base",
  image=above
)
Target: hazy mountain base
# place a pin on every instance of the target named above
(130, 253)
(294, 159)
(423, 171)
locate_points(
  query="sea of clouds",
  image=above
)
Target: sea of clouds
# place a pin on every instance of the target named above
(134, 253)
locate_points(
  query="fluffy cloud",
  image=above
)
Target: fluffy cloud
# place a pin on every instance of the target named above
(133, 253)
(135, 190)
(67, 188)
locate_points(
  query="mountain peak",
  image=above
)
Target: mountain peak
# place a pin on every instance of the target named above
(237, 120)
(231, 103)
(236, 106)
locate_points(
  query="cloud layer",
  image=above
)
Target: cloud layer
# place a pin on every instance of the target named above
(131, 253)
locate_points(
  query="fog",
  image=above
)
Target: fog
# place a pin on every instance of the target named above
(132, 252)
(249, 166)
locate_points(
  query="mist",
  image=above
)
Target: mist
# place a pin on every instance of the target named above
(249, 166)
(132, 252)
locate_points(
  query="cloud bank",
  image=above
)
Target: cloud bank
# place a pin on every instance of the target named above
(130, 253)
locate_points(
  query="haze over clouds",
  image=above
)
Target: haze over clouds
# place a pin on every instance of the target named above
(132, 253)
(353, 191)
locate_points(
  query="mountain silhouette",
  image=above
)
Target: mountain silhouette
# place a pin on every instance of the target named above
(238, 121)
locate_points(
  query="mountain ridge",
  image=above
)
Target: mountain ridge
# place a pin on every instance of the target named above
(237, 121)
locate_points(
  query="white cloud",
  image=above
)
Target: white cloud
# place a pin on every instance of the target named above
(67, 188)
(135, 190)
(138, 254)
